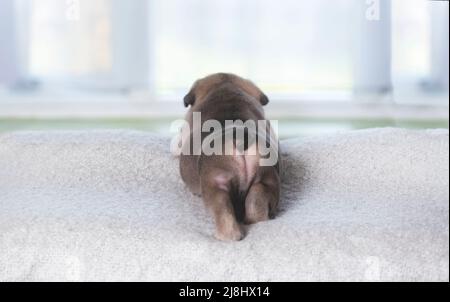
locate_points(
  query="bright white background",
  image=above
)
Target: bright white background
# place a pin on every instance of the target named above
(321, 57)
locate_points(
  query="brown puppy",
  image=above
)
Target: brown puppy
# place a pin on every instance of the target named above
(235, 187)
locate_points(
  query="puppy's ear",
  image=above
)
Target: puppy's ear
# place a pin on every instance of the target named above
(189, 99)
(263, 99)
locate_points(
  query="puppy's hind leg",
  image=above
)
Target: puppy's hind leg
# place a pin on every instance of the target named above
(217, 196)
(262, 199)
(189, 173)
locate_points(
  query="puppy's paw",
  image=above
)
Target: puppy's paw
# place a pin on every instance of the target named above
(273, 212)
(232, 233)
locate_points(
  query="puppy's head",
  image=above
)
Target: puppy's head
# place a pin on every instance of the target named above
(203, 87)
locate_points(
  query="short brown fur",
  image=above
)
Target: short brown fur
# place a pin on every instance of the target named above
(232, 195)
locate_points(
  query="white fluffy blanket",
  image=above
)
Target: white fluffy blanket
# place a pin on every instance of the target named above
(110, 206)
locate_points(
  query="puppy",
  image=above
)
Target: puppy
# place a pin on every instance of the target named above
(234, 185)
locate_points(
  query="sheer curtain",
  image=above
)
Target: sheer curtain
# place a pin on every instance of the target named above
(9, 69)
(70, 38)
(297, 49)
(286, 46)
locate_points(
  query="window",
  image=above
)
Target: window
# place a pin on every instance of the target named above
(420, 47)
(70, 41)
(99, 44)
(290, 48)
(293, 49)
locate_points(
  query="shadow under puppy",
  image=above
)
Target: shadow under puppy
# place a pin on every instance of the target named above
(234, 185)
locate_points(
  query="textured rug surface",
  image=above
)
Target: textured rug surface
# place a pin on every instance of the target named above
(369, 205)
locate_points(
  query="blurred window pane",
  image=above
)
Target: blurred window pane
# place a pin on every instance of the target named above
(286, 46)
(411, 39)
(65, 43)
